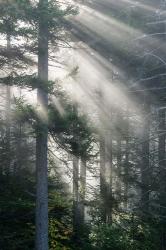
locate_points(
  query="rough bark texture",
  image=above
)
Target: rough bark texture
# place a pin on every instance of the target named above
(41, 139)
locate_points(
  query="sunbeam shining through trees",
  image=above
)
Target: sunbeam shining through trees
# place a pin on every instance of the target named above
(83, 125)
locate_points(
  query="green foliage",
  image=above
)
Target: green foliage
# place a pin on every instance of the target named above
(71, 129)
(108, 237)
(28, 12)
(127, 234)
(24, 112)
(59, 235)
(19, 21)
(16, 213)
(27, 81)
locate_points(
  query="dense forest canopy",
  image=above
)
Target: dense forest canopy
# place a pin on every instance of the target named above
(83, 125)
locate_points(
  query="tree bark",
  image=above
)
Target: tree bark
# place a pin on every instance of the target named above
(145, 168)
(106, 177)
(126, 170)
(42, 134)
(108, 162)
(119, 162)
(103, 185)
(82, 190)
(8, 125)
(75, 194)
(162, 176)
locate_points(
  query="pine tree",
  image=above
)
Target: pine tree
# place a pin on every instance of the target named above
(40, 29)
(42, 133)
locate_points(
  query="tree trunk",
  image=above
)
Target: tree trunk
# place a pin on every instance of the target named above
(108, 162)
(41, 138)
(18, 150)
(75, 195)
(106, 177)
(126, 169)
(8, 125)
(103, 185)
(162, 176)
(145, 168)
(119, 160)
(82, 189)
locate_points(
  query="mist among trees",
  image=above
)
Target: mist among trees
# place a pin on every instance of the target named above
(82, 125)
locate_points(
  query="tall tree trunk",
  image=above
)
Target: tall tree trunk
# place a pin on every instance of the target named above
(119, 170)
(75, 195)
(18, 162)
(126, 169)
(8, 125)
(145, 168)
(106, 177)
(162, 176)
(108, 162)
(82, 189)
(18, 150)
(119, 155)
(42, 134)
(103, 184)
